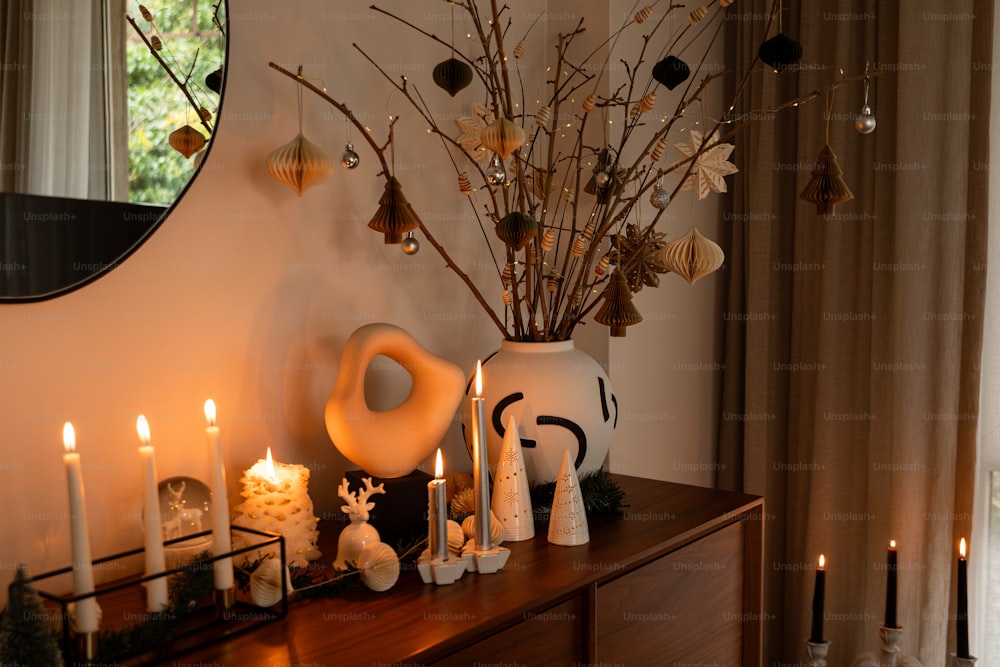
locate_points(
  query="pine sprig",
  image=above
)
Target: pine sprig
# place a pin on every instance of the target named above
(600, 494)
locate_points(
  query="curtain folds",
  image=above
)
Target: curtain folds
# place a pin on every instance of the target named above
(852, 341)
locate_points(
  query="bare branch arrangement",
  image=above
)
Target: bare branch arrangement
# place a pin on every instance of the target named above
(563, 244)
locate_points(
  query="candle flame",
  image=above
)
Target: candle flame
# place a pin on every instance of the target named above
(142, 428)
(892, 544)
(479, 378)
(69, 437)
(210, 412)
(269, 465)
(961, 548)
(822, 561)
(438, 466)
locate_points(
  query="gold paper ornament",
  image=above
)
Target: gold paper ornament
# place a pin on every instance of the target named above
(643, 14)
(658, 149)
(299, 164)
(590, 103)
(618, 311)
(502, 136)
(826, 188)
(464, 185)
(543, 116)
(693, 256)
(186, 140)
(697, 15)
(548, 239)
(519, 50)
(393, 217)
(156, 43)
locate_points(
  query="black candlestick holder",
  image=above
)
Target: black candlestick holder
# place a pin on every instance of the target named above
(184, 630)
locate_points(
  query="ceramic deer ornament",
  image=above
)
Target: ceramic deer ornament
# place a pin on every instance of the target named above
(356, 536)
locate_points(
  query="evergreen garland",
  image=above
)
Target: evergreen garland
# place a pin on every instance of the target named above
(600, 494)
(26, 638)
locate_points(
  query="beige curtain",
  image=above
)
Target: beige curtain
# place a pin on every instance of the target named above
(15, 92)
(852, 374)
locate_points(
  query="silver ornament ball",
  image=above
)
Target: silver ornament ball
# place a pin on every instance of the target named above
(659, 198)
(495, 173)
(865, 122)
(410, 245)
(601, 178)
(350, 159)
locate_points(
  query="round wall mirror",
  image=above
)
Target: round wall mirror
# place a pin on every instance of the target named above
(107, 110)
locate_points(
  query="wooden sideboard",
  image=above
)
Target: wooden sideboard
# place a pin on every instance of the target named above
(675, 581)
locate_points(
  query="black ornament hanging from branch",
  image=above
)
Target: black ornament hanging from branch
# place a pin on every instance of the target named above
(452, 75)
(781, 51)
(671, 72)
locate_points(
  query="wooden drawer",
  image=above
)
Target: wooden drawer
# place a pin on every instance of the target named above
(550, 637)
(684, 608)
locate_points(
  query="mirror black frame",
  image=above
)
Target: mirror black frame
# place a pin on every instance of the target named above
(97, 205)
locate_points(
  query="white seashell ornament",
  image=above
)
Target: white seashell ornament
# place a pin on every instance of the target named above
(456, 536)
(265, 583)
(464, 501)
(379, 566)
(496, 528)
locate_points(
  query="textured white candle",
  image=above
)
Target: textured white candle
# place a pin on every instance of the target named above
(480, 466)
(276, 499)
(156, 589)
(221, 537)
(83, 572)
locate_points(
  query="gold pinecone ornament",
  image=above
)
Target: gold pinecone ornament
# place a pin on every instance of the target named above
(618, 311)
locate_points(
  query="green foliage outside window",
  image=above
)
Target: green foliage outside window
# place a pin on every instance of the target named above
(193, 47)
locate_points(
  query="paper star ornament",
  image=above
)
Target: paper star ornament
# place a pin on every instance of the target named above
(471, 127)
(710, 167)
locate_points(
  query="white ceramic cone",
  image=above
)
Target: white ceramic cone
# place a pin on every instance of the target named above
(568, 519)
(511, 494)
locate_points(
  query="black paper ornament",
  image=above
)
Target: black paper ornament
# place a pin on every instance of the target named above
(780, 52)
(452, 75)
(671, 72)
(214, 81)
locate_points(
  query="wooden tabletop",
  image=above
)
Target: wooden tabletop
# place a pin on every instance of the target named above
(417, 623)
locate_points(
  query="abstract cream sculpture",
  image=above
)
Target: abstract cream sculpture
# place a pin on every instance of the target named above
(392, 443)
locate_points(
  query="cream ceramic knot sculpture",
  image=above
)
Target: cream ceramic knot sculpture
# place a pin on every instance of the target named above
(392, 443)
(359, 534)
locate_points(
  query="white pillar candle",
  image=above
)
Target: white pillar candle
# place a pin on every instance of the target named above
(221, 537)
(83, 573)
(157, 597)
(480, 466)
(437, 515)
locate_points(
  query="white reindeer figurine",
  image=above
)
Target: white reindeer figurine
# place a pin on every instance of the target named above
(183, 520)
(359, 533)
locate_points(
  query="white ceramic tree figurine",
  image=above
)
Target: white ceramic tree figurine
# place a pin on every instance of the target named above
(359, 533)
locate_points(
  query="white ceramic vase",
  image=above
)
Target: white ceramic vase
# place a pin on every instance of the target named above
(562, 400)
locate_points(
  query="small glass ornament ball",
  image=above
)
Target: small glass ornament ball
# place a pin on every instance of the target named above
(350, 159)
(495, 173)
(659, 198)
(410, 245)
(865, 122)
(601, 179)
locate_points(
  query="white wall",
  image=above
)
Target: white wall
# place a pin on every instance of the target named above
(247, 293)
